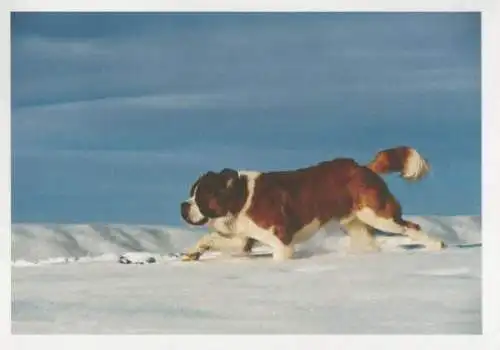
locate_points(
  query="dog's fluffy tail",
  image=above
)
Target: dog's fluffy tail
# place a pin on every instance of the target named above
(405, 160)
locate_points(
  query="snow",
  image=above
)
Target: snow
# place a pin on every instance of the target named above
(65, 279)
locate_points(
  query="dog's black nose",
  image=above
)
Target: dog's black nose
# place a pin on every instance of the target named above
(185, 210)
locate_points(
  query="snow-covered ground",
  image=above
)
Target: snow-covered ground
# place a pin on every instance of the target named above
(65, 279)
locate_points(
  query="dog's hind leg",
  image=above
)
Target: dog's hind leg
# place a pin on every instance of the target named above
(361, 237)
(395, 224)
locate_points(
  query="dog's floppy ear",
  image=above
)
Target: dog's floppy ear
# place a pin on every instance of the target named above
(236, 191)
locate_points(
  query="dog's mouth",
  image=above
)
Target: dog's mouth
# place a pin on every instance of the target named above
(200, 222)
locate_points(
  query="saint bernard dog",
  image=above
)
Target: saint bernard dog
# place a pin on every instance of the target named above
(282, 208)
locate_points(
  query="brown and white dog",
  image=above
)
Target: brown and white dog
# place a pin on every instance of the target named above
(283, 208)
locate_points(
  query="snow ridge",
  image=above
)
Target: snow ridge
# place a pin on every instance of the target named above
(64, 243)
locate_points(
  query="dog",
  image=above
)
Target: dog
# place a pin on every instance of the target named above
(282, 208)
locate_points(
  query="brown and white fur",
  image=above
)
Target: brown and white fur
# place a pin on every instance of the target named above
(281, 209)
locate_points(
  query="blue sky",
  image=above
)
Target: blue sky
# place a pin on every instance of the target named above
(115, 115)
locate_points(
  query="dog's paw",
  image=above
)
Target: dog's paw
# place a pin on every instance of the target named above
(191, 256)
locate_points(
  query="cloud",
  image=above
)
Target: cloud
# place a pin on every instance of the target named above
(301, 57)
(116, 157)
(51, 48)
(154, 101)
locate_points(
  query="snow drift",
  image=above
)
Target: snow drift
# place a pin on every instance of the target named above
(402, 290)
(46, 243)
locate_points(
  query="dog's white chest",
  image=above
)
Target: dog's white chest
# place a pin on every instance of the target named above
(227, 226)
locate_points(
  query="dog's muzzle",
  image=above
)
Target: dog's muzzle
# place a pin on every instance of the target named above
(191, 214)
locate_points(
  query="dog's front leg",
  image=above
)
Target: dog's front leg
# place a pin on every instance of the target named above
(218, 242)
(205, 243)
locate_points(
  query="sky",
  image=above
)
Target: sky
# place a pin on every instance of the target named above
(114, 116)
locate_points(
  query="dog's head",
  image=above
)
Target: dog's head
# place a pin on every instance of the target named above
(214, 195)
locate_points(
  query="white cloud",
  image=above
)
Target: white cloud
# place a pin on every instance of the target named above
(57, 49)
(116, 157)
(161, 101)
